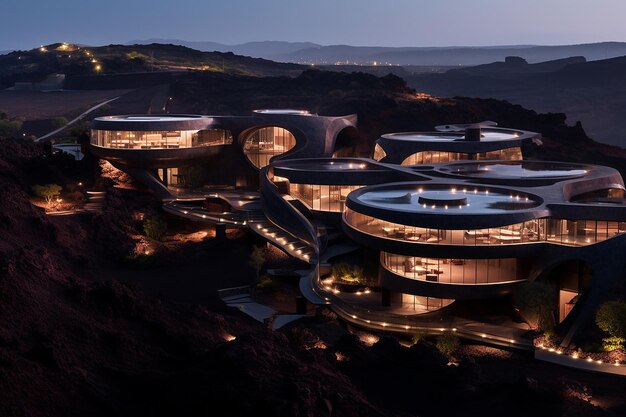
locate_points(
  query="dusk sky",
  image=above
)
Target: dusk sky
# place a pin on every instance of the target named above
(29, 23)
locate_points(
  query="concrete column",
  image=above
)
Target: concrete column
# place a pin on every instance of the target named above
(390, 298)
(220, 231)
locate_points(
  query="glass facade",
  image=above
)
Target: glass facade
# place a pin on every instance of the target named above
(560, 231)
(420, 304)
(455, 271)
(267, 142)
(165, 139)
(172, 176)
(379, 152)
(436, 157)
(322, 197)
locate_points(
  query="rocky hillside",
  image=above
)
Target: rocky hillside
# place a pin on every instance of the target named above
(385, 105)
(592, 92)
(72, 60)
(75, 346)
(75, 341)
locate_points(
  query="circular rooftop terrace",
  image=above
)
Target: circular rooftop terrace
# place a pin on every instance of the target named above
(289, 112)
(445, 206)
(487, 135)
(336, 171)
(516, 170)
(148, 122)
(326, 165)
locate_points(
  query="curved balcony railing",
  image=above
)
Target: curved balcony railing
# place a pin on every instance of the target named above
(454, 271)
(166, 139)
(434, 323)
(284, 215)
(544, 230)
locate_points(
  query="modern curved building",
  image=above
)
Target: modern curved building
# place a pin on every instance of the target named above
(456, 218)
(190, 151)
(451, 143)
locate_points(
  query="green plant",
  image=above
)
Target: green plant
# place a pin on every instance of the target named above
(418, 335)
(9, 128)
(155, 227)
(48, 191)
(611, 318)
(138, 261)
(351, 274)
(612, 343)
(447, 343)
(265, 283)
(59, 122)
(535, 301)
(257, 260)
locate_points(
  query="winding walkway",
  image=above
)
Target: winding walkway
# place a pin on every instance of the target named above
(49, 136)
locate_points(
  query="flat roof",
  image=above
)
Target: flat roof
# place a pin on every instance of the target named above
(446, 205)
(487, 135)
(447, 198)
(148, 122)
(327, 164)
(516, 170)
(334, 171)
(294, 112)
(152, 118)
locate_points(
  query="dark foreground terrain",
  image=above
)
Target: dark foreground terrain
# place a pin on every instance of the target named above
(85, 332)
(76, 341)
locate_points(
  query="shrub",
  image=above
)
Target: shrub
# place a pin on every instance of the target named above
(48, 191)
(612, 343)
(265, 283)
(536, 304)
(351, 274)
(59, 122)
(611, 318)
(257, 260)
(155, 227)
(139, 261)
(9, 128)
(418, 335)
(448, 344)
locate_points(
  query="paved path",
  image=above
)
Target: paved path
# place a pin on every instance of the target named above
(336, 250)
(48, 136)
(260, 312)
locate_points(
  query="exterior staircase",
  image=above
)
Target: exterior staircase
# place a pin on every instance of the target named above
(284, 240)
(95, 201)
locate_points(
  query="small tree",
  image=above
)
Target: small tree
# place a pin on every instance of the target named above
(155, 227)
(448, 344)
(257, 260)
(351, 274)
(418, 335)
(48, 191)
(9, 128)
(611, 318)
(59, 122)
(536, 301)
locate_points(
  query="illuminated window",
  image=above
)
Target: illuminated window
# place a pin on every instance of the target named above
(557, 231)
(434, 157)
(379, 152)
(267, 142)
(165, 139)
(456, 271)
(322, 197)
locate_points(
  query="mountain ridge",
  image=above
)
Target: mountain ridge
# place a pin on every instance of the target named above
(313, 53)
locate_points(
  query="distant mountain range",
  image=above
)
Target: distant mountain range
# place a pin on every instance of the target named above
(311, 53)
(262, 49)
(592, 92)
(74, 60)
